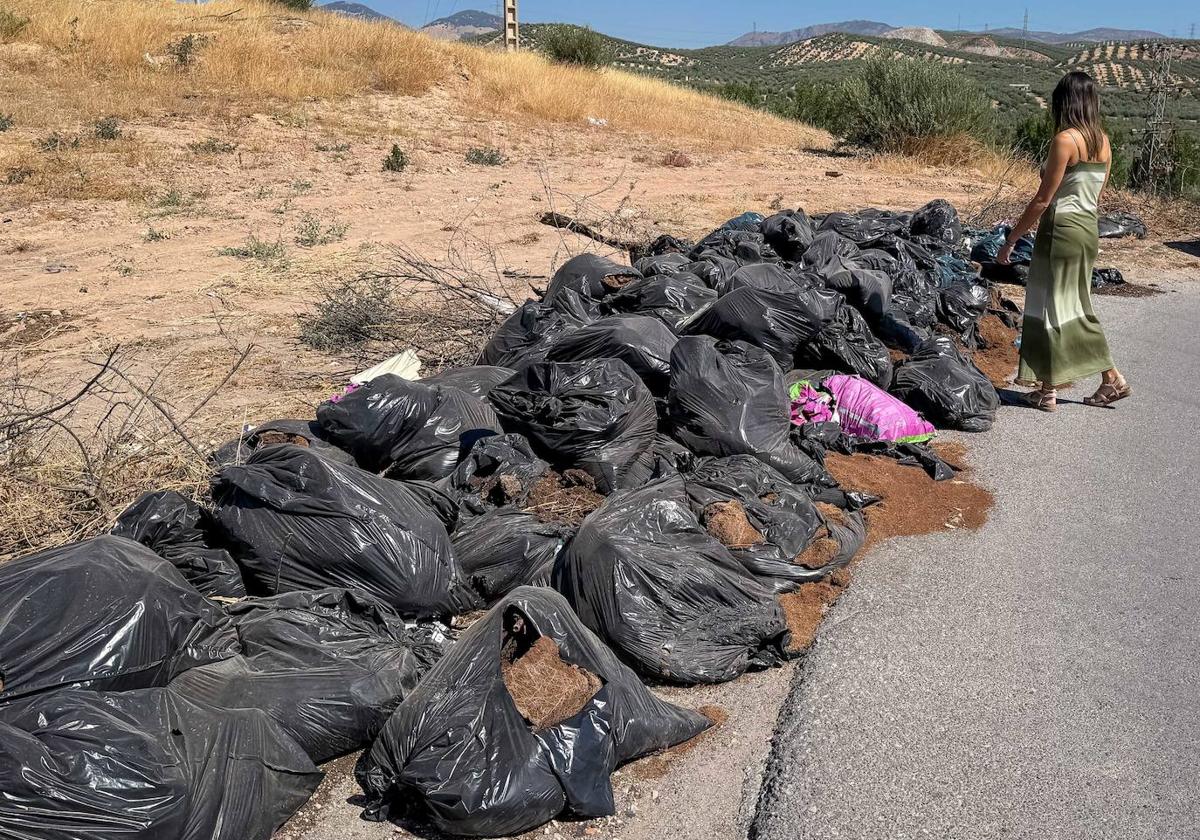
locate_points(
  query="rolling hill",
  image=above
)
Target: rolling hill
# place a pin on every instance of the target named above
(355, 10)
(875, 28)
(775, 39)
(465, 24)
(1018, 78)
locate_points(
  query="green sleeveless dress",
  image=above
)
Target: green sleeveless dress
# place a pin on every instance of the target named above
(1061, 339)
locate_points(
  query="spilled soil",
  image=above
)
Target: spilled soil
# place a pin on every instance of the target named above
(728, 524)
(657, 765)
(912, 502)
(804, 610)
(1131, 290)
(545, 689)
(999, 357)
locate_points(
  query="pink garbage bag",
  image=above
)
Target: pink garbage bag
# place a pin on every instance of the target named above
(811, 406)
(867, 411)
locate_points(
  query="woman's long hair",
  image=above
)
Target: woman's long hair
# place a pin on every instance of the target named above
(1076, 104)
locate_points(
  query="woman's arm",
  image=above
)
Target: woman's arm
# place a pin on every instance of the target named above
(1056, 166)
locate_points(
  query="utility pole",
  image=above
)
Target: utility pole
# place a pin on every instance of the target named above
(512, 33)
(1025, 31)
(1192, 32)
(1157, 130)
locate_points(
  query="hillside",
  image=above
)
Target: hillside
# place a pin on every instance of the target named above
(354, 10)
(1001, 66)
(874, 28)
(464, 24)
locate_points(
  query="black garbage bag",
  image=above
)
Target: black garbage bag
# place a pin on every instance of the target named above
(180, 531)
(642, 342)
(645, 575)
(878, 260)
(1117, 224)
(728, 398)
(527, 334)
(460, 754)
(106, 614)
(476, 380)
(952, 267)
(671, 298)
(410, 429)
(867, 290)
(864, 226)
(1107, 277)
(713, 269)
(776, 319)
(664, 244)
(590, 276)
(789, 233)
(946, 387)
(672, 262)
(826, 245)
(498, 471)
(960, 306)
(769, 276)
(938, 220)
(987, 244)
(329, 666)
(846, 344)
(784, 515)
(144, 765)
(596, 416)
(299, 432)
(915, 294)
(507, 547)
(741, 246)
(296, 522)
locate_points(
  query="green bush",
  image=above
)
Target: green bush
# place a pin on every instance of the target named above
(579, 45)
(396, 160)
(1177, 170)
(1032, 136)
(108, 128)
(298, 5)
(892, 106)
(816, 103)
(6, 122)
(485, 156)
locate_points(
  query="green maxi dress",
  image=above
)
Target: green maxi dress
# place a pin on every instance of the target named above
(1061, 339)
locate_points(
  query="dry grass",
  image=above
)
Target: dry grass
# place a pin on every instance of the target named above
(79, 60)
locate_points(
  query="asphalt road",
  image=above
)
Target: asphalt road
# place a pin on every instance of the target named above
(1039, 678)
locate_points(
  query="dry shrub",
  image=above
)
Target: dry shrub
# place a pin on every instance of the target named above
(676, 159)
(72, 458)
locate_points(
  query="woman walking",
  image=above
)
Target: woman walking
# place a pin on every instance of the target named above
(1061, 339)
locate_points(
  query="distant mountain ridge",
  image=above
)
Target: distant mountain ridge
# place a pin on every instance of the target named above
(354, 10)
(877, 29)
(775, 39)
(465, 24)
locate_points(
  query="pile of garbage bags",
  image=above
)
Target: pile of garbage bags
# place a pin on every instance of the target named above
(620, 490)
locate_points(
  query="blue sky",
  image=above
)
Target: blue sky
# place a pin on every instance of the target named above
(696, 23)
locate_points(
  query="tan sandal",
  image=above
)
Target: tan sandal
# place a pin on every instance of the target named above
(1109, 393)
(1042, 400)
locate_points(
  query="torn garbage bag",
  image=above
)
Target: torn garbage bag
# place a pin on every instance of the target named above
(594, 415)
(180, 531)
(946, 387)
(523, 721)
(645, 575)
(410, 429)
(104, 614)
(769, 524)
(297, 522)
(728, 398)
(298, 432)
(642, 342)
(789, 233)
(498, 471)
(145, 765)
(866, 411)
(590, 276)
(329, 666)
